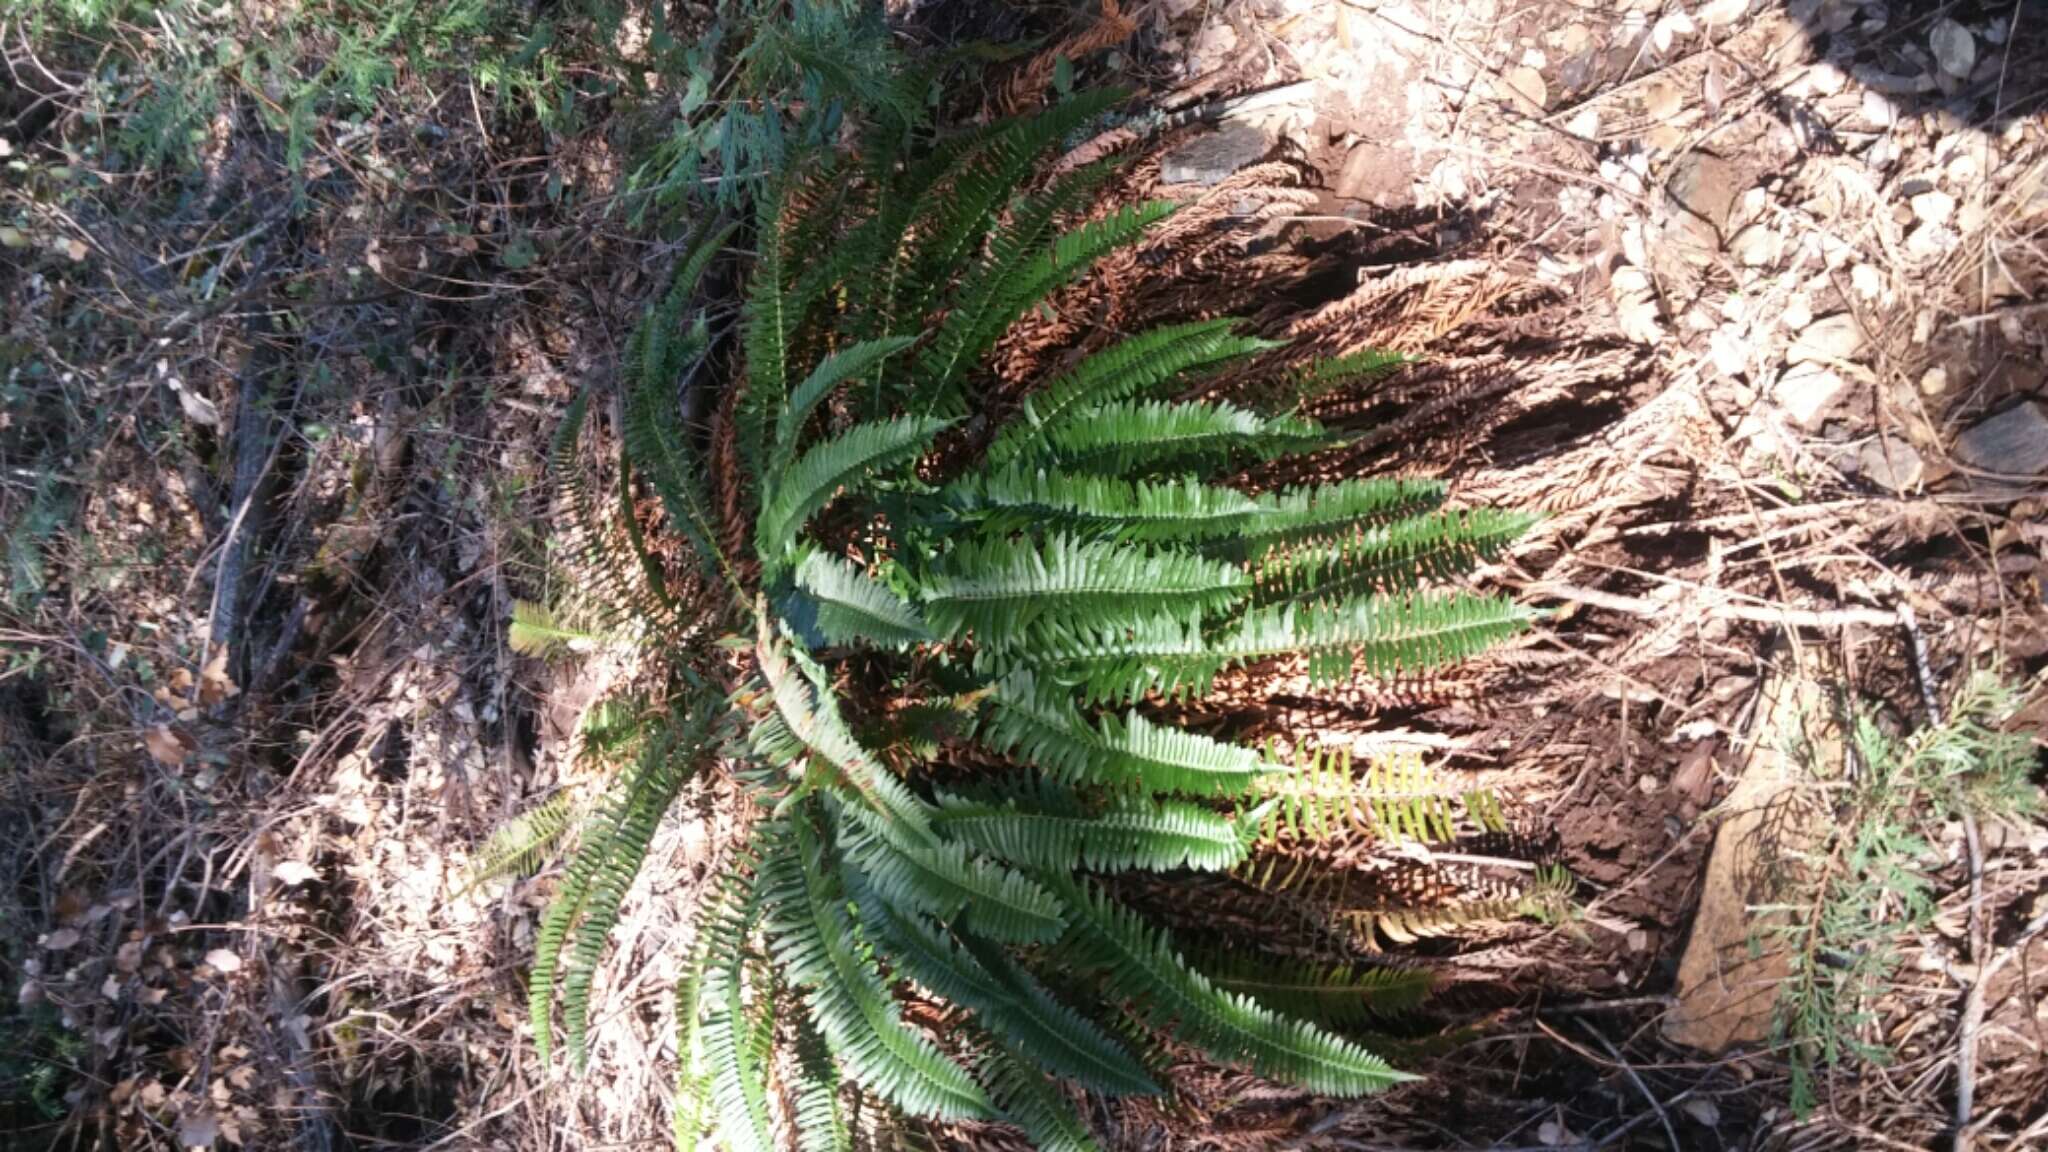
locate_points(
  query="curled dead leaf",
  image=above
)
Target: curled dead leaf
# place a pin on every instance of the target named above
(167, 745)
(215, 685)
(198, 409)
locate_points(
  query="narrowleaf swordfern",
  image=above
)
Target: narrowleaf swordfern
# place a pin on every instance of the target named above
(916, 580)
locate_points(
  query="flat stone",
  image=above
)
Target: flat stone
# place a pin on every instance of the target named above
(1805, 392)
(1933, 207)
(1376, 174)
(1928, 241)
(1756, 246)
(1955, 50)
(2012, 443)
(1212, 159)
(1527, 84)
(1836, 337)
(1891, 464)
(1701, 192)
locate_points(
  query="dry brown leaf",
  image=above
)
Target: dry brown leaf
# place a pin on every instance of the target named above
(198, 409)
(215, 685)
(167, 745)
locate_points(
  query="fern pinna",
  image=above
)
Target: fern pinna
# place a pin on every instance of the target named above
(953, 642)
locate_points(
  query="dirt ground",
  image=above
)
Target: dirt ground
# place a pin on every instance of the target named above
(1746, 297)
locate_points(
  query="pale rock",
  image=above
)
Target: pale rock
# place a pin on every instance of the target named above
(1700, 195)
(1825, 79)
(1890, 463)
(1878, 80)
(1866, 281)
(1715, 13)
(1805, 392)
(1933, 207)
(2012, 443)
(1934, 381)
(1929, 241)
(1526, 84)
(1797, 313)
(1213, 158)
(1836, 337)
(1585, 123)
(1663, 98)
(1728, 348)
(1955, 50)
(1756, 246)
(1574, 39)
(1970, 219)
(1876, 109)
(1632, 247)
(1636, 306)
(1218, 39)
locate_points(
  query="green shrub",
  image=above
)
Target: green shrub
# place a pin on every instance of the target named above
(1010, 602)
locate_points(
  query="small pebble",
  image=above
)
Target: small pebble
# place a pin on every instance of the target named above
(1933, 207)
(1955, 50)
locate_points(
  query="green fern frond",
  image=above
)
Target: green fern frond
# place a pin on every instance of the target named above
(621, 584)
(849, 607)
(656, 442)
(1338, 995)
(615, 842)
(1012, 1006)
(1153, 436)
(665, 766)
(768, 322)
(515, 848)
(1330, 511)
(1033, 1103)
(1139, 965)
(1131, 368)
(953, 199)
(1001, 590)
(807, 713)
(1399, 799)
(1041, 727)
(1091, 506)
(1384, 636)
(1324, 376)
(993, 291)
(536, 631)
(1045, 830)
(817, 945)
(1396, 557)
(850, 363)
(820, 1122)
(720, 928)
(826, 468)
(738, 1037)
(943, 881)
(1000, 303)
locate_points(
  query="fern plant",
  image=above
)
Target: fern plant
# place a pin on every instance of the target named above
(950, 641)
